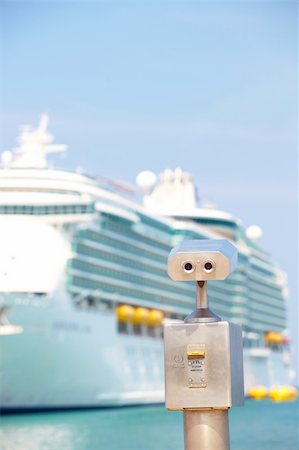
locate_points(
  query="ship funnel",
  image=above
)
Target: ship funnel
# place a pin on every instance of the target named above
(173, 193)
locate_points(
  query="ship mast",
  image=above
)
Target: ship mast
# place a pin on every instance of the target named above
(34, 146)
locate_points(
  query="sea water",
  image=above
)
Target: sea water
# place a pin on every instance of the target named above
(256, 426)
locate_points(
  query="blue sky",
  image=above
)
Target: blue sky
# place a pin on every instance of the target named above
(209, 86)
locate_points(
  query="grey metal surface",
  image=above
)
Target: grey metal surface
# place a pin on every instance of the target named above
(206, 430)
(221, 365)
(219, 253)
(202, 313)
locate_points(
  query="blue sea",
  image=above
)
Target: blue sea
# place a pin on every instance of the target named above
(256, 426)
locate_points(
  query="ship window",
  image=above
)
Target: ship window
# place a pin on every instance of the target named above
(149, 236)
(137, 329)
(138, 278)
(132, 292)
(123, 328)
(43, 209)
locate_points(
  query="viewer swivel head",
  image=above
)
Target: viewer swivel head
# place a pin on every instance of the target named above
(202, 260)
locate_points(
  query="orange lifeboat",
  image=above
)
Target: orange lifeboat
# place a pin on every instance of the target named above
(155, 318)
(141, 316)
(258, 392)
(125, 313)
(283, 394)
(273, 338)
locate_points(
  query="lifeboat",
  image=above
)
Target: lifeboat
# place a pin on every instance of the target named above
(283, 393)
(125, 313)
(258, 392)
(155, 318)
(141, 316)
(274, 338)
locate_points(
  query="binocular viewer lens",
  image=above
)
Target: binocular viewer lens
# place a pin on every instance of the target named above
(208, 266)
(188, 267)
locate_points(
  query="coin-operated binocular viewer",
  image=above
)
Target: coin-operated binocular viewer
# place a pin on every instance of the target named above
(203, 354)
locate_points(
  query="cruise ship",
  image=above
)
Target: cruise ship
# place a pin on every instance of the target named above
(84, 290)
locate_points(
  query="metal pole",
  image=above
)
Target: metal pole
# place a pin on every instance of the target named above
(206, 429)
(201, 295)
(202, 312)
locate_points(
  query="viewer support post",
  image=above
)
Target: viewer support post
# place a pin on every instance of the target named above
(203, 355)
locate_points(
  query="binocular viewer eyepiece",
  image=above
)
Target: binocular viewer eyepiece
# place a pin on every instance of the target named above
(202, 260)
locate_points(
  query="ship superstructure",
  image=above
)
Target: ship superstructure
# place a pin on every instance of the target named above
(84, 290)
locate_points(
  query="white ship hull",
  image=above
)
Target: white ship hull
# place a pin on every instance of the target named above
(65, 358)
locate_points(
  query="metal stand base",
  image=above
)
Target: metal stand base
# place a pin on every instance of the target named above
(206, 429)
